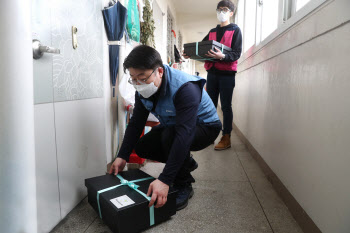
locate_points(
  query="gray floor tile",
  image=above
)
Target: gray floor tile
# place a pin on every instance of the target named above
(98, 227)
(218, 207)
(276, 211)
(224, 200)
(235, 140)
(282, 221)
(266, 194)
(239, 147)
(243, 153)
(215, 207)
(250, 166)
(218, 165)
(152, 168)
(78, 220)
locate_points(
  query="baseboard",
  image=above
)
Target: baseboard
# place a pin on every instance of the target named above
(299, 214)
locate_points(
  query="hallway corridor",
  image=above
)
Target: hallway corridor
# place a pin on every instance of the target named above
(73, 85)
(231, 195)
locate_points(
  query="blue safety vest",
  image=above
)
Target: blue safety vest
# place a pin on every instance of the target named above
(165, 110)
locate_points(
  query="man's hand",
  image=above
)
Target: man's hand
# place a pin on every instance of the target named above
(216, 55)
(159, 192)
(185, 55)
(117, 166)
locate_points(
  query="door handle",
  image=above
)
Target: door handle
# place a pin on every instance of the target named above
(39, 49)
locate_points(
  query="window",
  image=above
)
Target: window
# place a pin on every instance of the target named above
(269, 17)
(249, 24)
(300, 4)
(240, 14)
(258, 19)
(287, 9)
(258, 22)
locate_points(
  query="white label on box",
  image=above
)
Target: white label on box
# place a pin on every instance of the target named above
(122, 201)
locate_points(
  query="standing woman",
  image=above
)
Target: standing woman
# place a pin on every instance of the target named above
(221, 74)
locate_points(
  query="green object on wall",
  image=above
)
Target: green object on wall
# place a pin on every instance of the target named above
(147, 27)
(133, 23)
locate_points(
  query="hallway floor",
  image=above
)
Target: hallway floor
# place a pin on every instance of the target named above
(231, 195)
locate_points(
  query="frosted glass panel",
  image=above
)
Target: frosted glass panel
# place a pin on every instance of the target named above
(301, 3)
(77, 73)
(269, 17)
(250, 18)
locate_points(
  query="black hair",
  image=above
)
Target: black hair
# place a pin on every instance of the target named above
(143, 57)
(226, 3)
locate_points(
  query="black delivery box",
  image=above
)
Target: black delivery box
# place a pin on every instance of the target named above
(123, 209)
(203, 48)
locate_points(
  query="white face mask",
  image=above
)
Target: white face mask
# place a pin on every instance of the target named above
(223, 17)
(146, 90)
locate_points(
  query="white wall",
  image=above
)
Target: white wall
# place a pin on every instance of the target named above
(17, 156)
(292, 103)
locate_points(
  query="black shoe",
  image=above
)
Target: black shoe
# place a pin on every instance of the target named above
(192, 164)
(184, 193)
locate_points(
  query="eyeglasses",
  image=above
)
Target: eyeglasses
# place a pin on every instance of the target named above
(224, 10)
(140, 81)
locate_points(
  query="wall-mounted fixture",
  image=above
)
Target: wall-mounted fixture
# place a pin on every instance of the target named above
(74, 37)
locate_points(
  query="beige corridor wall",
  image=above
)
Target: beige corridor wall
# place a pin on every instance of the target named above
(292, 102)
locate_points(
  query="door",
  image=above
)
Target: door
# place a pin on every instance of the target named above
(69, 105)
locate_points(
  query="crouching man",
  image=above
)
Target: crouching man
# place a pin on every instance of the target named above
(188, 122)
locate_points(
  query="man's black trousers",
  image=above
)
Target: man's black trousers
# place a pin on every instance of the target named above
(156, 146)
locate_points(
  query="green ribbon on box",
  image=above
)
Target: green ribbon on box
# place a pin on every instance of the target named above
(206, 59)
(133, 186)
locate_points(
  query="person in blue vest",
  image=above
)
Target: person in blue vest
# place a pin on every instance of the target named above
(188, 122)
(221, 74)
